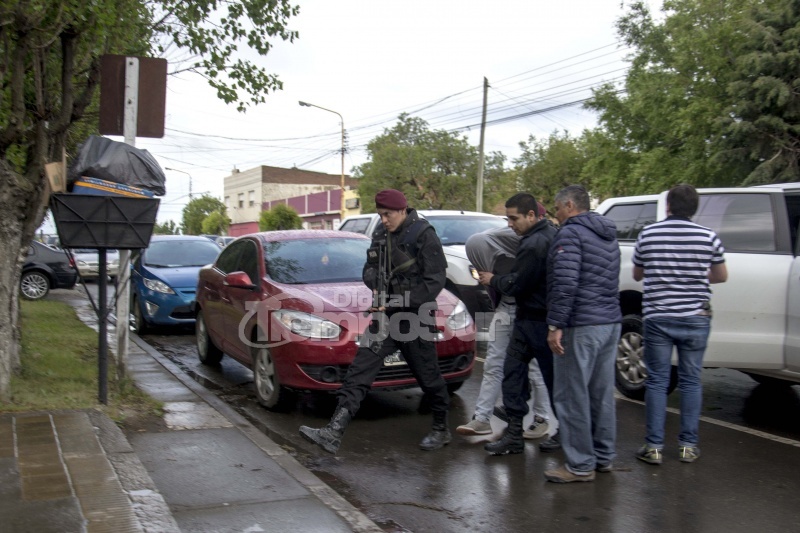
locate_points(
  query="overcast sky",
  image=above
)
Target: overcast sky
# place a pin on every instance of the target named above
(372, 60)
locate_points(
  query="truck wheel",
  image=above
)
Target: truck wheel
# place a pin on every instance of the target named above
(631, 372)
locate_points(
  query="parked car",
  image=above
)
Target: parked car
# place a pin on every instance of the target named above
(45, 268)
(164, 280)
(88, 263)
(224, 240)
(289, 306)
(453, 229)
(756, 323)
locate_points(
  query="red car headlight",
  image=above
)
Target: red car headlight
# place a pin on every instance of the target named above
(307, 325)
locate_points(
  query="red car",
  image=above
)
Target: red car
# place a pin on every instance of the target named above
(289, 306)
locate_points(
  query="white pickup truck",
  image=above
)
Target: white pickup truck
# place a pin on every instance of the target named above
(453, 229)
(756, 322)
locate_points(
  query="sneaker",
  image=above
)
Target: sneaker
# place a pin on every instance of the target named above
(688, 454)
(604, 468)
(562, 475)
(649, 455)
(475, 427)
(537, 429)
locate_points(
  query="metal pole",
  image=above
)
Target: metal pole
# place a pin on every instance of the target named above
(341, 185)
(124, 273)
(102, 341)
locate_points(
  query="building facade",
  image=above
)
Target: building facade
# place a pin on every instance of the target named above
(316, 196)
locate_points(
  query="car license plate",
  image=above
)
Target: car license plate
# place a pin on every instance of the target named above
(394, 359)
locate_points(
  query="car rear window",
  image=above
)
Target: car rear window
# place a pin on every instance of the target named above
(175, 253)
(457, 229)
(632, 218)
(356, 225)
(315, 260)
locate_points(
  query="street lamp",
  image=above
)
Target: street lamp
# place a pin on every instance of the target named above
(342, 207)
(190, 179)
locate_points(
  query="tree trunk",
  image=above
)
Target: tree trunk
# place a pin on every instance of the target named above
(20, 200)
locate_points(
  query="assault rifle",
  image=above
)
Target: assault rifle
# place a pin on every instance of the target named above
(378, 256)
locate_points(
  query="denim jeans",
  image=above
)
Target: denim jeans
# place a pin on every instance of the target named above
(528, 340)
(584, 396)
(499, 335)
(690, 336)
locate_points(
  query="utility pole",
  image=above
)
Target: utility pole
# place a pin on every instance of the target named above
(479, 191)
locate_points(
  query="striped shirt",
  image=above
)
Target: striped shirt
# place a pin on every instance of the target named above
(676, 254)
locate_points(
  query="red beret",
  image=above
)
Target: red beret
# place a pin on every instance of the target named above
(391, 199)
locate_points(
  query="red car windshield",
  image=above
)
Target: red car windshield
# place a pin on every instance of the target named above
(305, 261)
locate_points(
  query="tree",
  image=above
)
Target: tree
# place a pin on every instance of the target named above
(167, 228)
(280, 217)
(761, 125)
(216, 223)
(434, 169)
(660, 129)
(548, 165)
(196, 212)
(50, 72)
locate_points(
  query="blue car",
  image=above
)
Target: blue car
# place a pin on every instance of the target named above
(164, 280)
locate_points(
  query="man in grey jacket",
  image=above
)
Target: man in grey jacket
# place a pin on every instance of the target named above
(583, 317)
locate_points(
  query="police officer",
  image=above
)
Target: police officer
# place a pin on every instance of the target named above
(404, 320)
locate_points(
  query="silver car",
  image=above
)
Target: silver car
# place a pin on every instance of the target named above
(88, 264)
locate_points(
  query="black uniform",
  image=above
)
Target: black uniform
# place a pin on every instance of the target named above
(418, 269)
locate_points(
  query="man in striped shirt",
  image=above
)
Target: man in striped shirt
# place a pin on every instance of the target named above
(677, 259)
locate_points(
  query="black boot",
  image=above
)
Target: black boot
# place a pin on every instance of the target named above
(329, 437)
(511, 442)
(552, 444)
(439, 435)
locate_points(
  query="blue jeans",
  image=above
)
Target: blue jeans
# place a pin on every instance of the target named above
(584, 396)
(690, 336)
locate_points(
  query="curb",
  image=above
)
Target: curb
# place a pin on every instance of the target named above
(357, 520)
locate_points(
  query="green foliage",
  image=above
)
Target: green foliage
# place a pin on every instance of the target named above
(761, 126)
(59, 365)
(167, 228)
(434, 169)
(661, 131)
(280, 217)
(216, 223)
(196, 211)
(548, 165)
(215, 33)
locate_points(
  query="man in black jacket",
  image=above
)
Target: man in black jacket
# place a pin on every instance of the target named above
(416, 273)
(527, 283)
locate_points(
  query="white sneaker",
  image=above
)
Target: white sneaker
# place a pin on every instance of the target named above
(475, 427)
(537, 429)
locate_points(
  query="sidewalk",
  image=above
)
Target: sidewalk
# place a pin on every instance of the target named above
(204, 469)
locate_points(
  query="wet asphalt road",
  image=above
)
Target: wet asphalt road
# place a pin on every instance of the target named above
(747, 478)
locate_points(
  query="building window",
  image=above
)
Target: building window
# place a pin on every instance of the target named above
(241, 199)
(228, 202)
(251, 196)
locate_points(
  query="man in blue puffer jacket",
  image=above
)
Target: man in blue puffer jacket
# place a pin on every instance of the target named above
(583, 317)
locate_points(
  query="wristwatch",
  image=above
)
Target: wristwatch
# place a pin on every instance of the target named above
(551, 327)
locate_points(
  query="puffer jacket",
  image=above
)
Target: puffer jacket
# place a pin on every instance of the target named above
(583, 273)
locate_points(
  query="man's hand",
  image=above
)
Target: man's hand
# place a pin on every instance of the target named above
(554, 341)
(485, 277)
